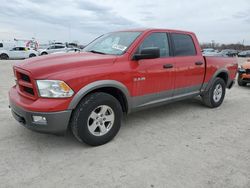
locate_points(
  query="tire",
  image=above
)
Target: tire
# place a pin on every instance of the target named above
(240, 81)
(4, 56)
(84, 119)
(44, 53)
(215, 95)
(32, 55)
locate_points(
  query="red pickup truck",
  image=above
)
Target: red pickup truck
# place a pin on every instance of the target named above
(119, 72)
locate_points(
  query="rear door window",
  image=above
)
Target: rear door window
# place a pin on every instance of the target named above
(183, 45)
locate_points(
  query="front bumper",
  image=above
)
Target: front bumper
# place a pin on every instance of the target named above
(56, 122)
(244, 75)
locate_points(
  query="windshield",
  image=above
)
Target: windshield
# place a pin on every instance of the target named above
(112, 43)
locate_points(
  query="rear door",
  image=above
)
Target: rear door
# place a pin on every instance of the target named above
(51, 49)
(59, 48)
(22, 52)
(189, 64)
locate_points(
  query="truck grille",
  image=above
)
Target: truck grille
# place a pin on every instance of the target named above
(25, 84)
(28, 90)
(25, 77)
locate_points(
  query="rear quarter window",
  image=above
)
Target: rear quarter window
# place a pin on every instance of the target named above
(1, 45)
(183, 45)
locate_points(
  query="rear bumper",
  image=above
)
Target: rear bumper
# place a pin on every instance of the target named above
(245, 80)
(56, 122)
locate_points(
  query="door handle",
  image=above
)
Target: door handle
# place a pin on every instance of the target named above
(199, 63)
(167, 66)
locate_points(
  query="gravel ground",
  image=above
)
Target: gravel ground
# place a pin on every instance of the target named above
(183, 144)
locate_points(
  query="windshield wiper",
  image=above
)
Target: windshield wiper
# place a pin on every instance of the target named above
(97, 52)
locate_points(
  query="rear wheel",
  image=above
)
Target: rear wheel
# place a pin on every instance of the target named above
(4, 56)
(32, 55)
(97, 119)
(216, 93)
(44, 53)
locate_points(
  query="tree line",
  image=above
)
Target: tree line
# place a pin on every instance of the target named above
(220, 47)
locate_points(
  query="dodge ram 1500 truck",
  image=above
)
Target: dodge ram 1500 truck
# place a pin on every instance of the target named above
(118, 73)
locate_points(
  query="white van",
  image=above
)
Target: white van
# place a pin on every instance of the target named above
(6, 45)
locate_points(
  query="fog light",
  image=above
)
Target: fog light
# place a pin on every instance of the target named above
(39, 119)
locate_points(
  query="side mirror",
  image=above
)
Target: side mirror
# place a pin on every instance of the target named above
(148, 53)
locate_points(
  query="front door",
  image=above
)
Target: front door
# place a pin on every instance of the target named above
(153, 78)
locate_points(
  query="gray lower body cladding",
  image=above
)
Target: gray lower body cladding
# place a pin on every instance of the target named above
(56, 122)
(157, 99)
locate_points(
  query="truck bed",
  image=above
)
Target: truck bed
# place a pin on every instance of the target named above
(214, 63)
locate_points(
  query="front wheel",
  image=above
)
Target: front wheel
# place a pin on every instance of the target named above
(216, 93)
(97, 119)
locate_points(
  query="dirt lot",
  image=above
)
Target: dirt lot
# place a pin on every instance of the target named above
(179, 145)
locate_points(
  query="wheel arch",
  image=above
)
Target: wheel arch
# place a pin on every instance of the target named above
(221, 73)
(224, 75)
(32, 55)
(44, 53)
(4, 53)
(112, 87)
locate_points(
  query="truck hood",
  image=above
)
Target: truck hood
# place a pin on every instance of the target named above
(44, 66)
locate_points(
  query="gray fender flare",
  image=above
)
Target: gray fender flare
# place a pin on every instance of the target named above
(211, 81)
(97, 85)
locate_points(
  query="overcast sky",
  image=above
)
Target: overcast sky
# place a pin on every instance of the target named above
(224, 21)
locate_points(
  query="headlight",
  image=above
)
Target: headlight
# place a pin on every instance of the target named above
(54, 89)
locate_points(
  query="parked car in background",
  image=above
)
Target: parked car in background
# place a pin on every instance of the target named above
(18, 53)
(209, 50)
(229, 52)
(214, 54)
(244, 54)
(244, 74)
(68, 50)
(53, 48)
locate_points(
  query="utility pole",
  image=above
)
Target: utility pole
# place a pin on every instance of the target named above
(69, 32)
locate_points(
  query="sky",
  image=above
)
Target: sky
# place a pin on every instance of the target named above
(222, 21)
